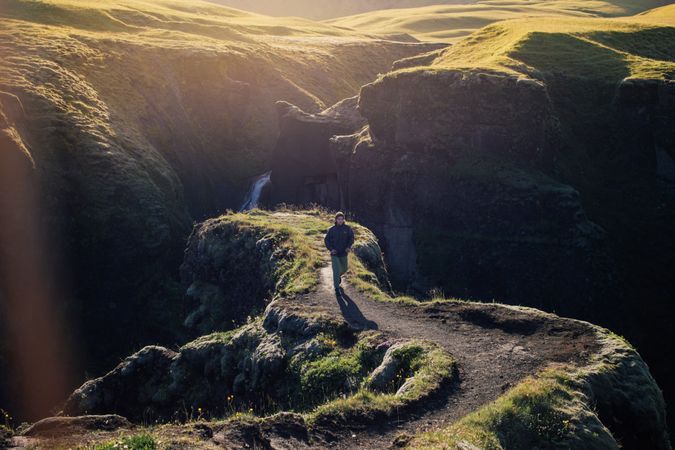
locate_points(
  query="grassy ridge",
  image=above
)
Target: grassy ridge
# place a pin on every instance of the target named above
(607, 49)
(325, 9)
(145, 16)
(449, 23)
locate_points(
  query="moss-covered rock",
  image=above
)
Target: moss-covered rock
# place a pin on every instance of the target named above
(290, 357)
(611, 402)
(250, 369)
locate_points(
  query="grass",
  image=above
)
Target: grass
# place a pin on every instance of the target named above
(200, 18)
(300, 233)
(337, 373)
(136, 442)
(222, 337)
(450, 23)
(425, 367)
(605, 49)
(537, 413)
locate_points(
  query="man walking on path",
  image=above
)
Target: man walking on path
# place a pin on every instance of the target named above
(339, 240)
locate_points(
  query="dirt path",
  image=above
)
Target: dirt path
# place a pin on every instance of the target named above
(495, 347)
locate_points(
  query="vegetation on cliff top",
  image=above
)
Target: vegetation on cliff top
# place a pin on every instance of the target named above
(301, 232)
(607, 49)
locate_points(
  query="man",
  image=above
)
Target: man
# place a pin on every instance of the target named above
(339, 240)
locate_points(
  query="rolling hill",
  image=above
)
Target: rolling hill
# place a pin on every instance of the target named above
(326, 9)
(449, 23)
(610, 49)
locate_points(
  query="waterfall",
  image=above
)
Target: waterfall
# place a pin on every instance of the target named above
(253, 195)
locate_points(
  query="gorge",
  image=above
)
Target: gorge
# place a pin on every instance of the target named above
(531, 164)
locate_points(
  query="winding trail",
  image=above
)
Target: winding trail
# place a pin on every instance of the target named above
(495, 347)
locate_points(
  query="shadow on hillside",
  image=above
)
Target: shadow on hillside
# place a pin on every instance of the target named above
(353, 315)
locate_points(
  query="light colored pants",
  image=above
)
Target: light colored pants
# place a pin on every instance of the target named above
(339, 267)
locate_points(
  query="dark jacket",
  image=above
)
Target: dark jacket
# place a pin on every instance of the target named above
(338, 238)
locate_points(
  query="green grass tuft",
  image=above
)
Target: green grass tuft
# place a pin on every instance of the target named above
(538, 413)
(136, 442)
(426, 365)
(603, 49)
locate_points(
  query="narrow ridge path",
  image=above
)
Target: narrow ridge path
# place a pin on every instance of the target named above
(495, 348)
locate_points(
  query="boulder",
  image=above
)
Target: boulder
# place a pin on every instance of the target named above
(54, 426)
(384, 375)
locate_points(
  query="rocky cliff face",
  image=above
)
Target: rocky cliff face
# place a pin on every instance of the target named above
(452, 175)
(228, 275)
(470, 183)
(304, 168)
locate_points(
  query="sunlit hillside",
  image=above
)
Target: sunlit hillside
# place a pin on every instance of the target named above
(664, 15)
(448, 23)
(638, 47)
(327, 9)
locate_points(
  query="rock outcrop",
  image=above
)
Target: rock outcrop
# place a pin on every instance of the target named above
(304, 169)
(219, 292)
(54, 426)
(451, 174)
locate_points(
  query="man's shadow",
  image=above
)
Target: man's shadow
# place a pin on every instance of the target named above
(353, 314)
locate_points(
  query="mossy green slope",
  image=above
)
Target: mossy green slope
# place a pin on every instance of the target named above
(607, 49)
(142, 115)
(565, 406)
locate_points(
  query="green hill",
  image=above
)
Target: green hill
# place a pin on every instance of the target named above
(448, 23)
(639, 47)
(326, 9)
